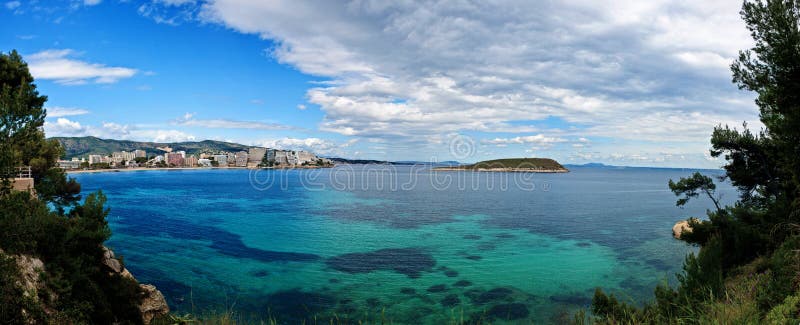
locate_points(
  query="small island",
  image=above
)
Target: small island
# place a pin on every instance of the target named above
(526, 165)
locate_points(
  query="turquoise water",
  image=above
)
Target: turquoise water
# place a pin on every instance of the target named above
(402, 244)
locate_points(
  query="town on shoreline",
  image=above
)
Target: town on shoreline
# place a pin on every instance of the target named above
(167, 159)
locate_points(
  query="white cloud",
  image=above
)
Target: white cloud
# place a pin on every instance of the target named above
(540, 139)
(316, 145)
(63, 127)
(116, 131)
(175, 2)
(301, 107)
(170, 12)
(61, 67)
(713, 63)
(406, 70)
(109, 130)
(91, 2)
(581, 143)
(58, 111)
(169, 136)
(11, 5)
(189, 120)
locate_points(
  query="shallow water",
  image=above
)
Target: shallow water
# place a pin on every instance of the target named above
(397, 243)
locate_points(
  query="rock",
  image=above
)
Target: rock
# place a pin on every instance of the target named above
(126, 274)
(437, 288)
(451, 300)
(682, 226)
(153, 303)
(30, 269)
(512, 311)
(110, 261)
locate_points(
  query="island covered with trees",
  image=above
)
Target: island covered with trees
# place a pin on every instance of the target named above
(530, 165)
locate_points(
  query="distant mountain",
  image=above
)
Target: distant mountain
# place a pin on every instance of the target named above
(83, 146)
(593, 164)
(438, 163)
(604, 166)
(384, 162)
(367, 161)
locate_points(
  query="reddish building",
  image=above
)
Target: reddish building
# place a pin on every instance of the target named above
(175, 159)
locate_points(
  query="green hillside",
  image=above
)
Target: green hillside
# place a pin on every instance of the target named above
(83, 146)
(522, 163)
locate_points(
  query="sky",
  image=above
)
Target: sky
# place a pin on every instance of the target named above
(636, 83)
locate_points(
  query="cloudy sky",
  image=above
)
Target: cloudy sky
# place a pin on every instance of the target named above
(623, 82)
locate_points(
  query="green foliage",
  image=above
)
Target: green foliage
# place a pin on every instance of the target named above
(691, 186)
(21, 108)
(265, 162)
(702, 276)
(785, 269)
(100, 165)
(59, 190)
(532, 163)
(788, 312)
(750, 166)
(771, 70)
(609, 309)
(55, 226)
(11, 295)
(70, 247)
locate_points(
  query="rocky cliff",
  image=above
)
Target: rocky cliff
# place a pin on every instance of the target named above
(31, 270)
(153, 303)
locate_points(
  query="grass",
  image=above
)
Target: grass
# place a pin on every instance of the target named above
(230, 317)
(738, 304)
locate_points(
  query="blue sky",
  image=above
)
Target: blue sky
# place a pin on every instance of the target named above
(628, 83)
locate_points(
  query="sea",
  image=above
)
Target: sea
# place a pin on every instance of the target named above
(397, 244)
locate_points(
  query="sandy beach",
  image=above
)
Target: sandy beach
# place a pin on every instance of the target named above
(139, 169)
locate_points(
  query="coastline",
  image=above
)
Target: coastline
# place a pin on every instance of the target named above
(138, 169)
(508, 170)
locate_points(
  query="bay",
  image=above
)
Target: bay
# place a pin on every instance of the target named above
(397, 243)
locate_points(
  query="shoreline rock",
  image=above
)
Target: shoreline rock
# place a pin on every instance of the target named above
(153, 303)
(681, 226)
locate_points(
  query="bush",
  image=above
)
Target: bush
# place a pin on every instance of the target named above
(785, 267)
(11, 303)
(71, 248)
(787, 312)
